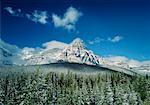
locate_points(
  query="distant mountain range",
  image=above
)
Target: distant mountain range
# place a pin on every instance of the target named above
(54, 51)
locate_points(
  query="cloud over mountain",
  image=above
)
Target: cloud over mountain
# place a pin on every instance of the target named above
(68, 21)
(115, 39)
(126, 61)
(96, 40)
(38, 16)
(54, 44)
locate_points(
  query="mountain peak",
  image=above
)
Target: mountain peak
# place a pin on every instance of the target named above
(77, 40)
(76, 52)
(78, 43)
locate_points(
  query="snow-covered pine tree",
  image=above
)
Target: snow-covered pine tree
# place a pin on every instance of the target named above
(98, 94)
(134, 99)
(6, 87)
(41, 89)
(109, 95)
(2, 92)
(49, 89)
(31, 96)
(118, 94)
(85, 94)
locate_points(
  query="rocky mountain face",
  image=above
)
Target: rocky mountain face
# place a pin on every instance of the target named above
(77, 52)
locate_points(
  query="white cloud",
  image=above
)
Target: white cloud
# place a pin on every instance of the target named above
(134, 63)
(38, 16)
(115, 39)
(9, 9)
(91, 42)
(96, 40)
(126, 61)
(13, 12)
(118, 58)
(28, 52)
(69, 19)
(54, 44)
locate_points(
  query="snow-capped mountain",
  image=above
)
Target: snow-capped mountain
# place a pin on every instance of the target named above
(77, 52)
(54, 51)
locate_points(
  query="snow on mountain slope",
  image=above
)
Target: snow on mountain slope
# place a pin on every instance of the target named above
(12, 55)
(44, 55)
(8, 53)
(10, 48)
(77, 52)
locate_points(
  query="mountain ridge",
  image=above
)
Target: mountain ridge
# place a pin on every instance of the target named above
(54, 52)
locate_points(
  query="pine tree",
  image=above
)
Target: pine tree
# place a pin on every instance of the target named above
(134, 99)
(2, 92)
(118, 97)
(85, 94)
(6, 87)
(98, 95)
(126, 94)
(109, 96)
(41, 89)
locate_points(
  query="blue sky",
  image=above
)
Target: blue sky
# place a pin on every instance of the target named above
(108, 27)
